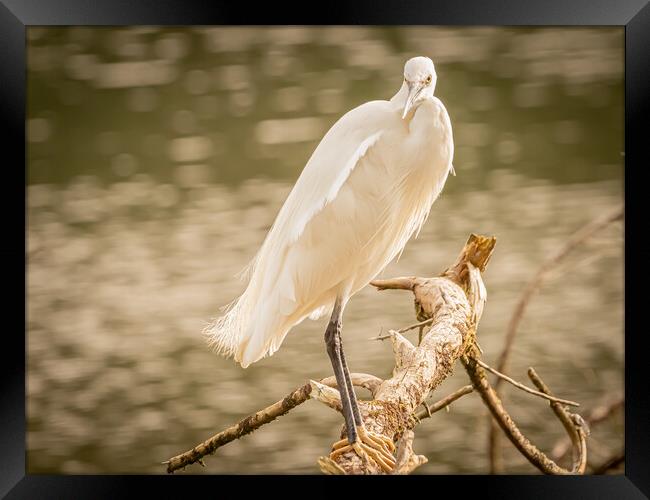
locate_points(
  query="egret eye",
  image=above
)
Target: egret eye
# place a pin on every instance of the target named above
(428, 79)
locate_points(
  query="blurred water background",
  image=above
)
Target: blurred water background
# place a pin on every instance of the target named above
(159, 157)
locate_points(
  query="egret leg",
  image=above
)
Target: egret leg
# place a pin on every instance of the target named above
(378, 439)
(333, 344)
(349, 387)
(363, 442)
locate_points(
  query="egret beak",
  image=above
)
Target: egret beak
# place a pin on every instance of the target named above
(414, 91)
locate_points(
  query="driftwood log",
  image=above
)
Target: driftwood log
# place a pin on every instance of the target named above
(449, 307)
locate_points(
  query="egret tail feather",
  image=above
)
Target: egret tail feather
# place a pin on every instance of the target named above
(226, 333)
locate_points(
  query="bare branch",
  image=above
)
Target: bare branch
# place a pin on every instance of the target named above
(477, 252)
(594, 417)
(326, 395)
(268, 414)
(407, 460)
(394, 283)
(419, 370)
(446, 401)
(452, 303)
(402, 349)
(573, 424)
(481, 384)
(390, 333)
(521, 386)
(245, 426)
(365, 380)
(528, 292)
(416, 325)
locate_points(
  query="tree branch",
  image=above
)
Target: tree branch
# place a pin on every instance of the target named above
(528, 292)
(427, 411)
(507, 424)
(594, 417)
(574, 425)
(394, 283)
(326, 395)
(453, 303)
(407, 460)
(262, 417)
(245, 426)
(419, 370)
(524, 388)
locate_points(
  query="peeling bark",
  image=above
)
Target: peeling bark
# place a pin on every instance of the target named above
(419, 370)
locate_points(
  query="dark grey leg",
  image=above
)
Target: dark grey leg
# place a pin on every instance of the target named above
(333, 344)
(348, 382)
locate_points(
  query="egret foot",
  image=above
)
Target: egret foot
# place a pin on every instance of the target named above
(378, 440)
(368, 444)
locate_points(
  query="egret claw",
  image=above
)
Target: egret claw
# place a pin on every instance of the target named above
(369, 444)
(358, 447)
(379, 440)
(340, 444)
(340, 451)
(386, 462)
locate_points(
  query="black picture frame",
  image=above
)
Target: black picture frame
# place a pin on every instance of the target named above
(634, 15)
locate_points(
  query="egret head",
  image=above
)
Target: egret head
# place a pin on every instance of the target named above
(420, 78)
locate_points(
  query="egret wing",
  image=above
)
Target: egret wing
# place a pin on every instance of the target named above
(255, 324)
(328, 168)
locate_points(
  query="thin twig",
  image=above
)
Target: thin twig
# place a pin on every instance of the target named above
(403, 330)
(381, 337)
(416, 325)
(521, 386)
(594, 417)
(444, 402)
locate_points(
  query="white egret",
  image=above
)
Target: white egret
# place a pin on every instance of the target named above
(367, 188)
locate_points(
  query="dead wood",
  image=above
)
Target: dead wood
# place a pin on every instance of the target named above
(450, 307)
